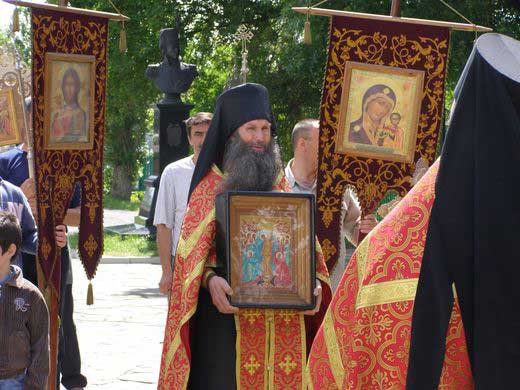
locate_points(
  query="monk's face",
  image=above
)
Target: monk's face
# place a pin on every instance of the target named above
(378, 108)
(256, 134)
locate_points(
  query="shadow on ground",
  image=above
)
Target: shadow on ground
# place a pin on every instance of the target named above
(144, 293)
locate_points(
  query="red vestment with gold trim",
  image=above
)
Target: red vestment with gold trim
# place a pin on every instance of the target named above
(271, 345)
(364, 340)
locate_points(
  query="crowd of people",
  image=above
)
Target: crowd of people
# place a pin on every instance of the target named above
(210, 344)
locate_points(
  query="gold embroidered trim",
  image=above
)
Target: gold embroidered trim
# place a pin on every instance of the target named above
(196, 272)
(303, 335)
(207, 273)
(387, 292)
(185, 246)
(361, 254)
(336, 365)
(307, 378)
(177, 340)
(321, 276)
(455, 295)
(217, 170)
(238, 364)
(269, 351)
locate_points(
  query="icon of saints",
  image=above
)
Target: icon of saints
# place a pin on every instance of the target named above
(250, 265)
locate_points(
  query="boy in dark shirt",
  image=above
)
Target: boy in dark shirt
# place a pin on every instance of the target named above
(24, 331)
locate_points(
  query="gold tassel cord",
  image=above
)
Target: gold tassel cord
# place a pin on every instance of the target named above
(462, 16)
(122, 39)
(307, 37)
(16, 20)
(90, 294)
(47, 295)
(318, 3)
(122, 33)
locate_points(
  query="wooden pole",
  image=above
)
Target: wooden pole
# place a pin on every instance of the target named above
(388, 18)
(63, 3)
(54, 328)
(54, 7)
(396, 8)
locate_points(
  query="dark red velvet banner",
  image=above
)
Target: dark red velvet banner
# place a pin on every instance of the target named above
(356, 158)
(69, 82)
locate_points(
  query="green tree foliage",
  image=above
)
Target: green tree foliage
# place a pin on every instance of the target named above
(129, 93)
(5, 39)
(293, 72)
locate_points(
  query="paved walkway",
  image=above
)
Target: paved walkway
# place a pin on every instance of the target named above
(118, 217)
(121, 335)
(113, 218)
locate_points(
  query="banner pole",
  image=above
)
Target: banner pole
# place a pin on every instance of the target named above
(396, 8)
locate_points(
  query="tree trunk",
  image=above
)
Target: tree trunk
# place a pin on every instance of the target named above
(121, 182)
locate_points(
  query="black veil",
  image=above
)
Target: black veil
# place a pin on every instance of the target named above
(234, 107)
(474, 228)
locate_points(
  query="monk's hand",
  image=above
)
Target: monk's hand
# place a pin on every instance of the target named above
(317, 294)
(219, 290)
(367, 223)
(165, 283)
(61, 235)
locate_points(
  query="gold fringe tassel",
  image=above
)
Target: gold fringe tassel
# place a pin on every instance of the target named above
(16, 20)
(47, 295)
(90, 294)
(122, 39)
(307, 38)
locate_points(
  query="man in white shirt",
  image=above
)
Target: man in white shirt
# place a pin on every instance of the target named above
(173, 197)
(301, 173)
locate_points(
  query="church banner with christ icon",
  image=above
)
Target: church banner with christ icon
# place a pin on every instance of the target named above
(69, 84)
(381, 114)
(69, 65)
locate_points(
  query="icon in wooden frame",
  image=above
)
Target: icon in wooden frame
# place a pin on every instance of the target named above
(69, 101)
(379, 112)
(270, 248)
(10, 132)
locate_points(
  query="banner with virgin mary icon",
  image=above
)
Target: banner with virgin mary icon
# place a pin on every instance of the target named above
(381, 112)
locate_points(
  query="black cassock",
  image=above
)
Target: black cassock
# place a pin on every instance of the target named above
(473, 237)
(212, 334)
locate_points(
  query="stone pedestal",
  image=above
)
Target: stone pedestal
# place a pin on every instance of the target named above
(173, 139)
(173, 145)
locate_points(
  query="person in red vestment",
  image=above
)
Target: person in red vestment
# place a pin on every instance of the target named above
(364, 340)
(209, 344)
(429, 298)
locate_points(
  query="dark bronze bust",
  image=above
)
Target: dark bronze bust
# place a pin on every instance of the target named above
(171, 76)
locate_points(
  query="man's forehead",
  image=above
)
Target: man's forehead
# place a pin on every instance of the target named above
(200, 127)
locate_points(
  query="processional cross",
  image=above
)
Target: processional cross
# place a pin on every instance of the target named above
(243, 35)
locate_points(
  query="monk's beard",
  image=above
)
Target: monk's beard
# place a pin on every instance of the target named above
(249, 170)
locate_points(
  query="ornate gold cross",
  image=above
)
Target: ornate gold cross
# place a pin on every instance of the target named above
(243, 35)
(287, 315)
(288, 365)
(252, 366)
(252, 315)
